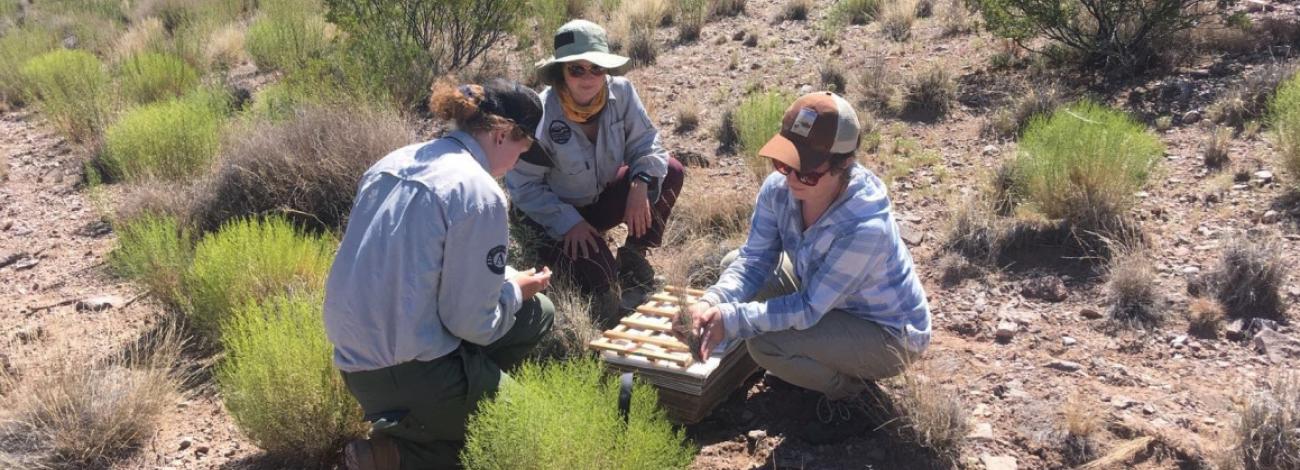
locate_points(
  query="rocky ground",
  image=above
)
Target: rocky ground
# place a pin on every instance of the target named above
(1015, 356)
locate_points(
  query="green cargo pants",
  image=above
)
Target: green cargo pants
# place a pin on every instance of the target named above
(431, 401)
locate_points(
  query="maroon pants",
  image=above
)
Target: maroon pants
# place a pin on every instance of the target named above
(598, 271)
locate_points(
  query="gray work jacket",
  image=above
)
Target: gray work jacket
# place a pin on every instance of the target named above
(566, 170)
(422, 263)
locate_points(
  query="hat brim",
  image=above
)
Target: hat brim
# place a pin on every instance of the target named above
(603, 59)
(784, 150)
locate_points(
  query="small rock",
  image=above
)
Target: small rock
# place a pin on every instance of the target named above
(1275, 345)
(1256, 6)
(1208, 420)
(1235, 329)
(1148, 409)
(186, 443)
(1068, 341)
(1065, 366)
(1001, 462)
(1191, 117)
(1049, 288)
(911, 236)
(229, 453)
(28, 335)
(756, 435)
(990, 149)
(99, 303)
(1006, 331)
(26, 263)
(981, 431)
(1191, 270)
(1264, 176)
(1090, 313)
(980, 410)
(1178, 341)
(1121, 402)
(1271, 217)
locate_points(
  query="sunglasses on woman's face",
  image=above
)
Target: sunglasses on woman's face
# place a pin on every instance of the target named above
(580, 71)
(810, 178)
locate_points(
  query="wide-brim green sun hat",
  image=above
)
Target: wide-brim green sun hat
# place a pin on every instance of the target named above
(582, 40)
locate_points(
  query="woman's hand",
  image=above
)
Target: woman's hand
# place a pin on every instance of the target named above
(637, 215)
(709, 319)
(531, 282)
(581, 239)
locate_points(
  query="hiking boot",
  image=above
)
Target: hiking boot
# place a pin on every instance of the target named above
(376, 453)
(635, 275)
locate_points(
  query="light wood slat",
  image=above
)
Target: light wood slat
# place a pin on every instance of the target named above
(645, 325)
(657, 311)
(687, 290)
(679, 359)
(655, 340)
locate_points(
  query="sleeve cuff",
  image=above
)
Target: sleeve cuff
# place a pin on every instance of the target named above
(567, 218)
(511, 297)
(731, 320)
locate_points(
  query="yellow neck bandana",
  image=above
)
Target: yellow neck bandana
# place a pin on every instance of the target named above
(578, 113)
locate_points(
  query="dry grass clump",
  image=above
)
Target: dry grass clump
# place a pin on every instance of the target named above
(878, 88)
(140, 37)
(1249, 99)
(794, 10)
(956, 18)
(688, 117)
(1249, 279)
(573, 327)
(726, 134)
(954, 268)
(1136, 300)
(1079, 444)
(832, 77)
(930, 93)
(691, 15)
(1011, 121)
(896, 19)
(1215, 148)
(305, 167)
(931, 415)
(76, 413)
(723, 8)
(225, 48)
(1205, 317)
(846, 12)
(1267, 433)
(641, 47)
(976, 232)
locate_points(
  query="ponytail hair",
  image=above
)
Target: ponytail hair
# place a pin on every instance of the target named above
(460, 105)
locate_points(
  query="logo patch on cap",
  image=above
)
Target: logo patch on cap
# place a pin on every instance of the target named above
(804, 121)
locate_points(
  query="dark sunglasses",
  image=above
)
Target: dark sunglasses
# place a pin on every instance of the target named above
(810, 178)
(579, 71)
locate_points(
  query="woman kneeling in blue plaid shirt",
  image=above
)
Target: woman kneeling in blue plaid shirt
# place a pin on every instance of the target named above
(823, 292)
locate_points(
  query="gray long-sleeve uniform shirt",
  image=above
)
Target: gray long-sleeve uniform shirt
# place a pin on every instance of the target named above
(566, 170)
(422, 264)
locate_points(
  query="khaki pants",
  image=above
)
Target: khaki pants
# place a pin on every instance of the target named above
(428, 403)
(836, 356)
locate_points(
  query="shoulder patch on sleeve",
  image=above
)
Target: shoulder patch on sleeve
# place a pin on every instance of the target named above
(537, 155)
(496, 259)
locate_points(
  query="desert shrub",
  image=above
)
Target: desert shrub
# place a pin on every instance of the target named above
(248, 261)
(930, 93)
(145, 35)
(1265, 433)
(155, 251)
(1136, 300)
(225, 48)
(72, 89)
(846, 12)
(726, 133)
(976, 231)
(1284, 116)
(1084, 163)
(930, 415)
(758, 119)
(1012, 120)
(85, 413)
(286, 41)
(541, 18)
(896, 18)
(565, 415)
(1215, 148)
(404, 46)
(1204, 317)
(691, 15)
(1249, 99)
(304, 168)
(832, 77)
(878, 88)
(721, 8)
(641, 46)
(1248, 280)
(956, 18)
(794, 10)
(1079, 443)
(279, 383)
(1112, 35)
(150, 76)
(171, 140)
(688, 117)
(17, 46)
(573, 327)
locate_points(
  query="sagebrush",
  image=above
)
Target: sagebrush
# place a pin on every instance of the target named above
(171, 140)
(1284, 116)
(72, 88)
(155, 251)
(149, 76)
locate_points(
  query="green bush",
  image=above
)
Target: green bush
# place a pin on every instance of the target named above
(1084, 163)
(565, 415)
(71, 88)
(757, 120)
(1284, 116)
(279, 383)
(846, 12)
(1112, 35)
(248, 261)
(286, 41)
(171, 140)
(17, 46)
(154, 251)
(149, 76)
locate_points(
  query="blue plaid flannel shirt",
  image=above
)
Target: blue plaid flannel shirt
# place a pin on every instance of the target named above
(852, 259)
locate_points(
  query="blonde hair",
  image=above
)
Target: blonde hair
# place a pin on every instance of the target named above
(460, 105)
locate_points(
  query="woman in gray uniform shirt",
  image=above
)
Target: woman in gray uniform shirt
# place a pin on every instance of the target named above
(421, 308)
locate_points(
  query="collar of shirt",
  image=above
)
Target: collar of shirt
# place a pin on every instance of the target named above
(837, 210)
(471, 145)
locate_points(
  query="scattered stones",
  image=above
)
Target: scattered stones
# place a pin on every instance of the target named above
(1090, 313)
(981, 431)
(1049, 288)
(1064, 366)
(1068, 341)
(692, 159)
(1275, 345)
(1006, 330)
(99, 303)
(1001, 462)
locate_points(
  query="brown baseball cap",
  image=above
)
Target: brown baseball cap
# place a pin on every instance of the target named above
(815, 126)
